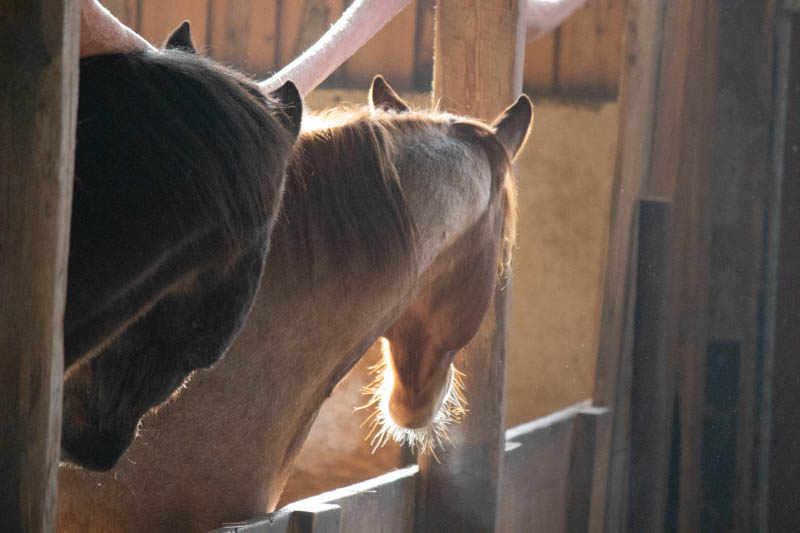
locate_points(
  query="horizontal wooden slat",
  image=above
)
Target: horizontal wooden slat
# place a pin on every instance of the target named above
(549, 463)
(535, 479)
(384, 504)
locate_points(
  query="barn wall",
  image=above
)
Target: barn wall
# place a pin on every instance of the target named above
(581, 57)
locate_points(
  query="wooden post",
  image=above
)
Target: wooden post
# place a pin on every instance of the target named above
(478, 57)
(638, 96)
(651, 394)
(38, 104)
(782, 513)
(665, 146)
(739, 190)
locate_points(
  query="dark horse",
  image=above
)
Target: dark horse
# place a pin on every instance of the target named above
(179, 171)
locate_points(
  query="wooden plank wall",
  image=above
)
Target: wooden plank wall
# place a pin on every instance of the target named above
(664, 150)
(582, 57)
(38, 108)
(784, 468)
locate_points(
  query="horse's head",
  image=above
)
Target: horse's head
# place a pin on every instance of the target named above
(418, 390)
(179, 172)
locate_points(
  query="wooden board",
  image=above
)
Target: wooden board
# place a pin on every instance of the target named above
(127, 11)
(38, 106)
(553, 471)
(638, 90)
(301, 23)
(158, 19)
(589, 49)
(651, 387)
(681, 172)
(784, 469)
(740, 184)
(540, 64)
(384, 504)
(243, 34)
(536, 473)
(390, 53)
(423, 47)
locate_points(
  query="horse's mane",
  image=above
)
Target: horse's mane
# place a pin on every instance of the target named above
(357, 201)
(177, 138)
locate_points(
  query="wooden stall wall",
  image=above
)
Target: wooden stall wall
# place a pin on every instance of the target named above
(582, 57)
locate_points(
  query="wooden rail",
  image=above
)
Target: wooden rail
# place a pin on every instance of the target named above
(547, 463)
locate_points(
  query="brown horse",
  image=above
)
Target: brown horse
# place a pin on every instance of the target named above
(393, 224)
(179, 171)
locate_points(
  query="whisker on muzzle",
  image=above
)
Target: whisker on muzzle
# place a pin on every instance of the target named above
(382, 426)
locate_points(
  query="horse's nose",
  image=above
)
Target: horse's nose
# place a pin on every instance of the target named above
(415, 410)
(94, 450)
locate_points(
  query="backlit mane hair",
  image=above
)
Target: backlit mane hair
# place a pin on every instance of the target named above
(357, 201)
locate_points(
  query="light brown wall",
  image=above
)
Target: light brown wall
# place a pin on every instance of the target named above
(564, 176)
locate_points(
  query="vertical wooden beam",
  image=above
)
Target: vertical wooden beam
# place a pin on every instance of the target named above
(681, 171)
(638, 91)
(739, 190)
(478, 57)
(38, 104)
(784, 468)
(668, 91)
(651, 393)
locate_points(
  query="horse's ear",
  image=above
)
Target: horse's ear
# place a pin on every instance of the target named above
(381, 96)
(514, 124)
(291, 104)
(181, 38)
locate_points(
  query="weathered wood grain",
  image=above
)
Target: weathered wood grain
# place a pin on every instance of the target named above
(478, 57)
(638, 97)
(589, 49)
(38, 105)
(390, 53)
(158, 19)
(242, 34)
(540, 64)
(536, 469)
(740, 184)
(784, 469)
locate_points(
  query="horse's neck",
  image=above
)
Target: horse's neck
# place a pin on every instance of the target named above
(222, 449)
